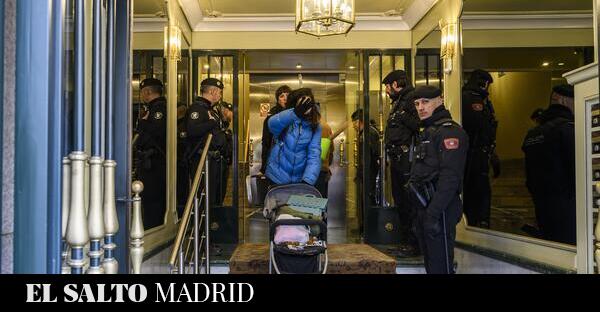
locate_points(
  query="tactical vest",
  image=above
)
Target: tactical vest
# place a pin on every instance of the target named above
(424, 168)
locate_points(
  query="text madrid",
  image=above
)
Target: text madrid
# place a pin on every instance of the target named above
(173, 292)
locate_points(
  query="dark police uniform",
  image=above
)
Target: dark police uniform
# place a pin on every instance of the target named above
(401, 128)
(374, 154)
(435, 185)
(202, 119)
(550, 169)
(480, 123)
(151, 158)
(226, 151)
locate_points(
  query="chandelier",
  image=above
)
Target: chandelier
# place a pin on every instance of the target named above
(324, 17)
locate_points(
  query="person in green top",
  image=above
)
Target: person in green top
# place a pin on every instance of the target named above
(327, 147)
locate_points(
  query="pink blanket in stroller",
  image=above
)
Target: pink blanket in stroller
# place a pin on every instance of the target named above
(291, 233)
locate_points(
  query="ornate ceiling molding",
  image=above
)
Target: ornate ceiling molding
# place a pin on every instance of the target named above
(527, 21)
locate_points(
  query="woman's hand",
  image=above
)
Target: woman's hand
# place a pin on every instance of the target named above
(304, 106)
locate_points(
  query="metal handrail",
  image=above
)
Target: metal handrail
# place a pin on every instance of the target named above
(189, 203)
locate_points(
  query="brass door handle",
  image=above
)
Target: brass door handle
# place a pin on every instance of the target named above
(250, 152)
(343, 162)
(355, 153)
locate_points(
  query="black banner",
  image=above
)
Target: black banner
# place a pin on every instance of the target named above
(347, 290)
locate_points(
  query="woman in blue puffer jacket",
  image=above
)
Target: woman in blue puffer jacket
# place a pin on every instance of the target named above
(296, 155)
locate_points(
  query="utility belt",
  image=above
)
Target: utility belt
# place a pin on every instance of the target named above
(147, 158)
(397, 152)
(485, 149)
(216, 155)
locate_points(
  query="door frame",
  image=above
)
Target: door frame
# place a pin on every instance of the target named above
(234, 54)
(365, 54)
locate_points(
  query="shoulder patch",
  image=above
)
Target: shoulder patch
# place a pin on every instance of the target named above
(194, 115)
(451, 143)
(478, 107)
(158, 115)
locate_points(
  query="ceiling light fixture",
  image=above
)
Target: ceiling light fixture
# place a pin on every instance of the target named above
(561, 64)
(298, 66)
(324, 17)
(351, 67)
(545, 64)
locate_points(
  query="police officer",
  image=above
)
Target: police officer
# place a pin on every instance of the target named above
(373, 149)
(436, 179)
(401, 128)
(150, 152)
(202, 119)
(550, 167)
(225, 111)
(480, 123)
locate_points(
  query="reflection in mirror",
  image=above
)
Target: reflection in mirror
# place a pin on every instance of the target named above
(219, 67)
(518, 112)
(213, 77)
(150, 113)
(428, 66)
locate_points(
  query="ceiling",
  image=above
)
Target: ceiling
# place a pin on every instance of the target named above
(526, 59)
(279, 7)
(148, 8)
(277, 15)
(514, 6)
(286, 61)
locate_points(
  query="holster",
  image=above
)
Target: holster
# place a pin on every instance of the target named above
(422, 192)
(145, 159)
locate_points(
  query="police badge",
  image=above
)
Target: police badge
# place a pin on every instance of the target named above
(158, 115)
(194, 115)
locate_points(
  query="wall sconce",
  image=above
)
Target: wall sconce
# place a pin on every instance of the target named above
(448, 44)
(172, 49)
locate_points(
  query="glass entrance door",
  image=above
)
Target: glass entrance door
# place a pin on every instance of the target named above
(224, 217)
(382, 224)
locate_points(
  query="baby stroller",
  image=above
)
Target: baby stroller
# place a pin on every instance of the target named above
(297, 233)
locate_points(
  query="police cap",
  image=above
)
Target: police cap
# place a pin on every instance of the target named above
(212, 82)
(564, 90)
(396, 75)
(229, 106)
(150, 82)
(426, 92)
(481, 75)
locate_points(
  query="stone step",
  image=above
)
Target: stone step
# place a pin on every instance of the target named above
(343, 259)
